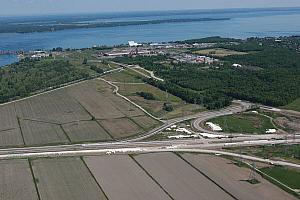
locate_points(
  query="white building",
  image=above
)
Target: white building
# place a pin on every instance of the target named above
(133, 44)
(214, 127)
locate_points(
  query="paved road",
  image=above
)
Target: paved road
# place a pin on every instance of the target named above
(239, 107)
(142, 147)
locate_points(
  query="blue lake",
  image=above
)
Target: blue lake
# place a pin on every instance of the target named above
(242, 24)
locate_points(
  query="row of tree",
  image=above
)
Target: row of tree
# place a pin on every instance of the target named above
(28, 76)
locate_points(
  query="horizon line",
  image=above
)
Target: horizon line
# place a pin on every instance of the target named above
(148, 11)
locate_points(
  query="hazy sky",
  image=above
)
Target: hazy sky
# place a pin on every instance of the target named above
(28, 7)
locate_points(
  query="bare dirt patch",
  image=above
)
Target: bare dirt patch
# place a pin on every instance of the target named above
(123, 174)
(85, 131)
(16, 181)
(8, 117)
(65, 179)
(145, 122)
(37, 133)
(93, 96)
(234, 178)
(178, 178)
(56, 107)
(11, 137)
(120, 128)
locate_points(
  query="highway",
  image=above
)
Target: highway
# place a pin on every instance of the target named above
(235, 108)
(142, 147)
(241, 107)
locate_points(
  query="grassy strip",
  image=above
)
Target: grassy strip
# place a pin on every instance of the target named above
(206, 176)
(132, 157)
(93, 177)
(34, 179)
(278, 183)
(288, 177)
(295, 105)
(244, 123)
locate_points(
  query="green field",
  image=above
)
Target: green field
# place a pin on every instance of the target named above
(295, 105)
(290, 153)
(286, 176)
(244, 123)
(219, 52)
(130, 83)
(125, 76)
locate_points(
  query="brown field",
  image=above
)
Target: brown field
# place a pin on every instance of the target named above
(219, 52)
(85, 131)
(122, 105)
(11, 137)
(93, 97)
(145, 122)
(233, 178)
(56, 107)
(120, 128)
(121, 178)
(16, 181)
(41, 117)
(178, 178)
(39, 133)
(8, 117)
(65, 179)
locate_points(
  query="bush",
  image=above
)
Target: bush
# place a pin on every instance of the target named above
(146, 95)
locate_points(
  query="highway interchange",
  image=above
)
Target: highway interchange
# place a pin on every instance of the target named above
(139, 144)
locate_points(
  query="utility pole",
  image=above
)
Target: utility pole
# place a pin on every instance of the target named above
(252, 176)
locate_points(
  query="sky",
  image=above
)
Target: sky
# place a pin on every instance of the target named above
(37, 7)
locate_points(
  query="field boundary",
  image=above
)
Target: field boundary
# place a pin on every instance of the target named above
(34, 179)
(206, 176)
(116, 91)
(84, 163)
(275, 181)
(148, 174)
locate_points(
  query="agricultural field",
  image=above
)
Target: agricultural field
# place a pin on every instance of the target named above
(36, 133)
(16, 181)
(250, 123)
(11, 138)
(289, 177)
(10, 134)
(178, 178)
(85, 131)
(145, 122)
(120, 128)
(125, 76)
(234, 179)
(65, 179)
(53, 107)
(295, 105)
(290, 153)
(123, 173)
(219, 52)
(85, 112)
(138, 176)
(155, 106)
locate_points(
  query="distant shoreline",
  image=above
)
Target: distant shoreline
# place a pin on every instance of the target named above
(50, 27)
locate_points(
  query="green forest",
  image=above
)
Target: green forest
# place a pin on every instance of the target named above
(272, 75)
(28, 76)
